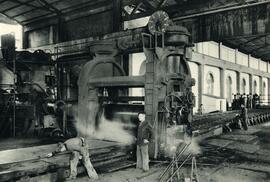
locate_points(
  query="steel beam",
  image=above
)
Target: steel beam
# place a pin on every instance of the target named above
(228, 23)
(251, 40)
(19, 4)
(51, 7)
(253, 51)
(123, 99)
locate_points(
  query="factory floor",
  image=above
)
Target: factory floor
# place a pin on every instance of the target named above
(220, 173)
(240, 156)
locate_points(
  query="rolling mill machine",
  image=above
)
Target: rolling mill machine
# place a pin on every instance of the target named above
(103, 91)
(168, 100)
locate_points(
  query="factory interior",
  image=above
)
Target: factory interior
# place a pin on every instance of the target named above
(198, 70)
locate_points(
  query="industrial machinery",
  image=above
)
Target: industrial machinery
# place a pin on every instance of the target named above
(101, 87)
(167, 83)
(27, 92)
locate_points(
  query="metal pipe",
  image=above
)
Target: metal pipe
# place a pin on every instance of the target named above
(222, 9)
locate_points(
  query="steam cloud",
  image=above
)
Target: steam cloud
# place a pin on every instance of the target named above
(106, 130)
(174, 140)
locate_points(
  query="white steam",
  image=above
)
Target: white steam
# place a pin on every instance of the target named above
(176, 138)
(106, 129)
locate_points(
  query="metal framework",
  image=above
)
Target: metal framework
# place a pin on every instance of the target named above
(194, 12)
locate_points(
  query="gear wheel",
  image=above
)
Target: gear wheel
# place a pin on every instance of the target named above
(158, 22)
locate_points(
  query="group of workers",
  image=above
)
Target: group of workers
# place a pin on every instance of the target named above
(80, 150)
(248, 100)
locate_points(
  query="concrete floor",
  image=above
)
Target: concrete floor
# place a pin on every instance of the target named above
(220, 173)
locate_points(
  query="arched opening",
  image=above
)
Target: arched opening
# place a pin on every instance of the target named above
(210, 84)
(255, 87)
(229, 88)
(243, 86)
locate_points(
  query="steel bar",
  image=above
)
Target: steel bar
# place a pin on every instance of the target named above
(170, 178)
(219, 10)
(173, 161)
(119, 81)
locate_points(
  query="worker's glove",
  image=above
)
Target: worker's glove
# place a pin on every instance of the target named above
(145, 141)
(49, 155)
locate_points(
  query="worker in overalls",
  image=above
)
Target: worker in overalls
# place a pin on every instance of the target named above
(79, 149)
(144, 136)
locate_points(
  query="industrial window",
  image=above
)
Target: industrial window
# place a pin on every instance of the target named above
(210, 84)
(243, 86)
(229, 89)
(255, 87)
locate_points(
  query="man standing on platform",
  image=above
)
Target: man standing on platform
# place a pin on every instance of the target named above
(79, 149)
(145, 134)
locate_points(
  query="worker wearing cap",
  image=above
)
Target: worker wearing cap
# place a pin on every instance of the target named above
(144, 136)
(79, 149)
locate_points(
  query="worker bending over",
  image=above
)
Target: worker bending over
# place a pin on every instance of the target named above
(145, 135)
(79, 149)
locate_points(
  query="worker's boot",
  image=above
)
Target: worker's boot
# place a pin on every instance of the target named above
(71, 178)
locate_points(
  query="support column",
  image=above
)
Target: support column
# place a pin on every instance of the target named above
(236, 56)
(222, 83)
(251, 84)
(24, 39)
(200, 83)
(222, 90)
(249, 60)
(51, 35)
(260, 85)
(238, 83)
(268, 100)
(219, 50)
(117, 16)
(130, 70)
